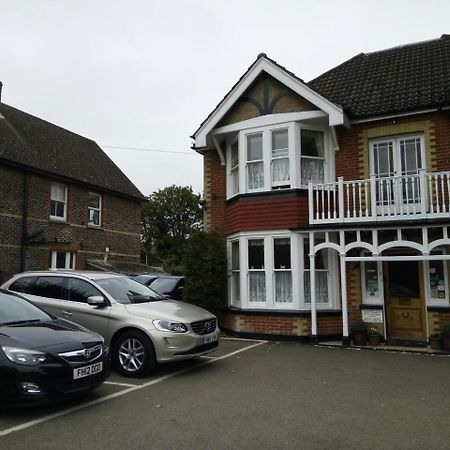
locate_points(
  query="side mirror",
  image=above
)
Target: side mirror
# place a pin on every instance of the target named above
(96, 300)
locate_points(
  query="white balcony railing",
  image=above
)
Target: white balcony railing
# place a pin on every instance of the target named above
(416, 196)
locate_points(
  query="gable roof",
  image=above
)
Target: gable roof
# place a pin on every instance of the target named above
(401, 79)
(264, 64)
(31, 142)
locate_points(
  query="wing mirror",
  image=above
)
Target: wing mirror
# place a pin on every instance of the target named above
(96, 300)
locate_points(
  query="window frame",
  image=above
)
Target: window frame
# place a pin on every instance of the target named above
(99, 210)
(52, 216)
(70, 260)
(430, 301)
(367, 299)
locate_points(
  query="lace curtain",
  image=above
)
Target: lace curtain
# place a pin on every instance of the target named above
(283, 287)
(280, 168)
(321, 286)
(257, 286)
(312, 170)
(255, 175)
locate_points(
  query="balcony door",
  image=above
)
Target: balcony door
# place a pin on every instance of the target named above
(396, 163)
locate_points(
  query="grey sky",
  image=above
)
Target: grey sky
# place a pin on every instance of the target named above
(145, 73)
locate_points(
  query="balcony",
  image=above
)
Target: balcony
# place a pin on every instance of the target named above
(380, 199)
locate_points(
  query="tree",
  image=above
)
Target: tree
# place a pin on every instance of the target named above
(169, 217)
(205, 269)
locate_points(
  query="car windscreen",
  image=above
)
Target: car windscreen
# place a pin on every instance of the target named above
(16, 310)
(163, 285)
(124, 290)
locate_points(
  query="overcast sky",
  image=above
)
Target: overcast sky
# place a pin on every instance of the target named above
(144, 73)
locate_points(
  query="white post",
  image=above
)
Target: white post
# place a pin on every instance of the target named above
(341, 199)
(310, 202)
(344, 301)
(373, 196)
(345, 336)
(312, 274)
(423, 193)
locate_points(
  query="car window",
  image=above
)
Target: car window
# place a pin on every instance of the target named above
(124, 290)
(23, 284)
(50, 287)
(164, 284)
(80, 290)
(16, 309)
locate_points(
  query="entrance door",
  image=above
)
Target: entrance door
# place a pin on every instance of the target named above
(405, 301)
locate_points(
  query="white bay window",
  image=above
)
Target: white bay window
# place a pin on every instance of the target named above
(278, 157)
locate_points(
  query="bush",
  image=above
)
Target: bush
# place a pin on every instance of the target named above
(445, 328)
(358, 325)
(205, 267)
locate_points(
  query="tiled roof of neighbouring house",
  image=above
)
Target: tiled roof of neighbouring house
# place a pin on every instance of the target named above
(397, 80)
(32, 142)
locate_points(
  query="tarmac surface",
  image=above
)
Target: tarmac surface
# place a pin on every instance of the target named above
(255, 395)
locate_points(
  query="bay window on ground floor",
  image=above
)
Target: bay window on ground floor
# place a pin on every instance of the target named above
(270, 271)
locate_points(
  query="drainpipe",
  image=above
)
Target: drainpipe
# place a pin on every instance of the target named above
(23, 249)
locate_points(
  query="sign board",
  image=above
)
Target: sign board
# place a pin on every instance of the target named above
(372, 315)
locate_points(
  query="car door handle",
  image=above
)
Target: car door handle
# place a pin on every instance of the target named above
(66, 313)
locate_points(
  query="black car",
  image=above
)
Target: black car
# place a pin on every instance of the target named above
(168, 285)
(42, 358)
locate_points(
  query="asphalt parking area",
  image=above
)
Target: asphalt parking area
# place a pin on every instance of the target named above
(257, 395)
(17, 420)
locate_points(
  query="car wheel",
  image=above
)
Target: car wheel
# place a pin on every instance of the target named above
(133, 354)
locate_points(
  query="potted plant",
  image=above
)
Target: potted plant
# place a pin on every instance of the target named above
(435, 341)
(445, 329)
(374, 337)
(359, 332)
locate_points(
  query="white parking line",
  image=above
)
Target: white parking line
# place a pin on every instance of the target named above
(115, 383)
(121, 393)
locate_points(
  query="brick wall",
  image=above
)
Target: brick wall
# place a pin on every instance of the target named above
(120, 229)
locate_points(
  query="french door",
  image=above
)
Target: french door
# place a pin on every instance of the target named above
(396, 163)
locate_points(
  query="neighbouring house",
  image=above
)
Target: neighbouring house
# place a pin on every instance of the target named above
(63, 202)
(333, 195)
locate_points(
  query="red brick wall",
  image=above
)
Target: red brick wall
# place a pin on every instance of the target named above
(121, 233)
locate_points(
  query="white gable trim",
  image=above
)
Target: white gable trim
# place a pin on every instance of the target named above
(269, 119)
(335, 113)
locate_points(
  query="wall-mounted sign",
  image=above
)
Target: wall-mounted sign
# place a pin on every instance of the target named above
(372, 315)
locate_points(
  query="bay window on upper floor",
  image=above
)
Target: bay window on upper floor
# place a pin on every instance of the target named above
(278, 157)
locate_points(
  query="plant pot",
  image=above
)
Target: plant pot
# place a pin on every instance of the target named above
(374, 339)
(446, 342)
(359, 338)
(435, 343)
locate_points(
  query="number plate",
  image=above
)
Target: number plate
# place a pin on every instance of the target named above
(86, 371)
(209, 339)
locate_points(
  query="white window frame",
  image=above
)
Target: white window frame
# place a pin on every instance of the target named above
(233, 301)
(429, 300)
(326, 154)
(99, 210)
(397, 164)
(294, 155)
(367, 299)
(64, 217)
(70, 260)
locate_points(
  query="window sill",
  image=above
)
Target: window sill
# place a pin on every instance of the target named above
(57, 220)
(282, 312)
(95, 227)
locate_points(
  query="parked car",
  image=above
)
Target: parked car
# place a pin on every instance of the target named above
(168, 285)
(141, 327)
(146, 278)
(43, 358)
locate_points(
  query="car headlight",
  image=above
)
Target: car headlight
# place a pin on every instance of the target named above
(166, 325)
(23, 356)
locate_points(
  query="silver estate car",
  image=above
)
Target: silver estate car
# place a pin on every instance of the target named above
(140, 326)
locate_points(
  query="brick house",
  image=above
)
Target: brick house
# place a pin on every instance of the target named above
(62, 200)
(333, 195)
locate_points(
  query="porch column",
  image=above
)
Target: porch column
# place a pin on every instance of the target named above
(312, 274)
(345, 336)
